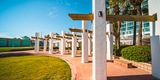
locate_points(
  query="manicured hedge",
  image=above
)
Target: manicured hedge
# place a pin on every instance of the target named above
(68, 48)
(79, 48)
(117, 52)
(55, 47)
(137, 53)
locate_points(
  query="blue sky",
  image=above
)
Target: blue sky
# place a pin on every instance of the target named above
(25, 17)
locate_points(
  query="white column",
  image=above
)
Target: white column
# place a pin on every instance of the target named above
(51, 43)
(109, 41)
(155, 49)
(155, 38)
(152, 29)
(77, 44)
(85, 41)
(99, 39)
(74, 44)
(56, 45)
(63, 43)
(89, 44)
(45, 45)
(36, 47)
(69, 45)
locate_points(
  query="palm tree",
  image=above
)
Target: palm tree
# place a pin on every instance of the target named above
(134, 12)
(137, 4)
(116, 11)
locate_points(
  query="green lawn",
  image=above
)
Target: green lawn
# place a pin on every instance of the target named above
(6, 49)
(34, 68)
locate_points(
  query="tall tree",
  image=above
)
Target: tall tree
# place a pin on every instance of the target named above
(134, 12)
(116, 11)
(137, 4)
(128, 9)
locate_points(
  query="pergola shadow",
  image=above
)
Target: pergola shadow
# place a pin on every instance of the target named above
(132, 77)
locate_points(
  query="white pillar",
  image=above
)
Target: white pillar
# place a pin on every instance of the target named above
(69, 45)
(155, 38)
(109, 41)
(74, 44)
(85, 41)
(152, 29)
(36, 47)
(77, 44)
(51, 43)
(66, 43)
(89, 44)
(155, 49)
(99, 39)
(63, 43)
(56, 45)
(45, 45)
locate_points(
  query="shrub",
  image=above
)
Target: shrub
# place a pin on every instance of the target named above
(137, 53)
(117, 52)
(68, 48)
(79, 48)
(55, 47)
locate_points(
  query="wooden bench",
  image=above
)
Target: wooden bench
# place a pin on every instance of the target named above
(123, 63)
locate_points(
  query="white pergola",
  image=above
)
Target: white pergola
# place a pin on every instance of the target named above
(99, 18)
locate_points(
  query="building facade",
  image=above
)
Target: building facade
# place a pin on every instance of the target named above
(127, 27)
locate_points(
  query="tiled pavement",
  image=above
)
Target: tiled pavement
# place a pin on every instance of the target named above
(114, 71)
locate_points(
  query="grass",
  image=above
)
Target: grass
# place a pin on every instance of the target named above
(7, 49)
(34, 68)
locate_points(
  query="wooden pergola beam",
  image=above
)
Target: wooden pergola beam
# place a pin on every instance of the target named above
(68, 34)
(75, 30)
(36, 37)
(72, 35)
(81, 16)
(56, 38)
(81, 31)
(89, 31)
(131, 17)
(33, 37)
(79, 36)
(45, 37)
(115, 17)
(59, 36)
(68, 37)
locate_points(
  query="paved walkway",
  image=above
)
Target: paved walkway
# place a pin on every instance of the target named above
(114, 72)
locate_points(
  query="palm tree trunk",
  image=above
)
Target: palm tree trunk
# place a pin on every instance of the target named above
(118, 36)
(116, 41)
(134, 33)
(140, 26)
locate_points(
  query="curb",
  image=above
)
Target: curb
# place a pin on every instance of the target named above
(73, 69)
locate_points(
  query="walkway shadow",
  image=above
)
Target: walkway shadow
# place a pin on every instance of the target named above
(132, 77)
(15, 54)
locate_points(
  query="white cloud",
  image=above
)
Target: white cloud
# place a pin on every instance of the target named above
(68, 4)
(5, 35)
(50, 13)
